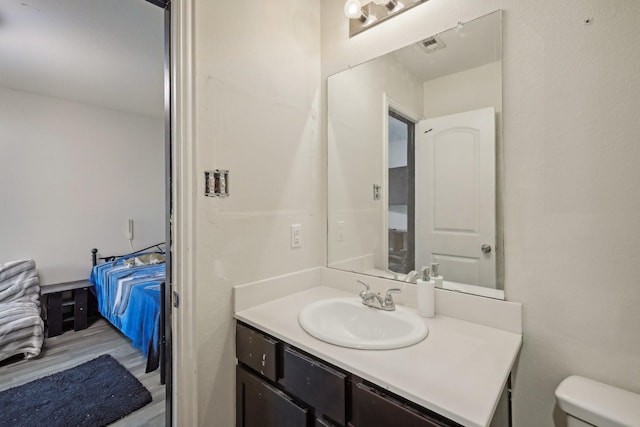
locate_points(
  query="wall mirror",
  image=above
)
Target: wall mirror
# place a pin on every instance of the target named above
(415, 161)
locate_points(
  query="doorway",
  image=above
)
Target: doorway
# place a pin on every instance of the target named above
(46, 120)
(401, 192)
(167, 290)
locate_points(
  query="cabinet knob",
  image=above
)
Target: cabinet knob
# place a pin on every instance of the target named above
(485, 248)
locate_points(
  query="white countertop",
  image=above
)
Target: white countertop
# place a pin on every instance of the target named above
(458, 371)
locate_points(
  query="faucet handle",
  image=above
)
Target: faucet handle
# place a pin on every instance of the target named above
(411, 277)
(388, 299)
(367, 288)
(363, 283)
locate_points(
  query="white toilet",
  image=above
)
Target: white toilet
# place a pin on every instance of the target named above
(590, 403)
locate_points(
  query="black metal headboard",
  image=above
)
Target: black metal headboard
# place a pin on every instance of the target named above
(94, 253)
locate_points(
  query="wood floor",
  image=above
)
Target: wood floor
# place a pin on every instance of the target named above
(73, 348)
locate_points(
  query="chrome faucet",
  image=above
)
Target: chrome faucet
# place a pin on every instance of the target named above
(411, 277)
(393, 273)
(374, 300)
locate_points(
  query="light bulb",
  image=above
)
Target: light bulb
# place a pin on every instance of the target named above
(353, 9)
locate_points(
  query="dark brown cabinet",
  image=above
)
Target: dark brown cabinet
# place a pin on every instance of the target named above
(257, 351)
(316, 384)
(280, 385)
(262, 405)
(67, 306)
(372, 407)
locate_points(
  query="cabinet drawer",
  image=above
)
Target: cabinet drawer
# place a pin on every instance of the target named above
(257, 351)
(372, 408)
(316, 384)
(262, 405)
(319, 422)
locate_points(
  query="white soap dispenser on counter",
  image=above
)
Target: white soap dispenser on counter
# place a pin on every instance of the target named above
(426, 294)
(435, 275)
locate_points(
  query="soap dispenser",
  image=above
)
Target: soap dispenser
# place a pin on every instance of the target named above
(435, 276)
(426, 294)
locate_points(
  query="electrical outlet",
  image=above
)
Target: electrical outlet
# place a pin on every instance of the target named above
(130, 230)
(296, 235)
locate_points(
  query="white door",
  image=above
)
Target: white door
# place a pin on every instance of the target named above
(455, 196)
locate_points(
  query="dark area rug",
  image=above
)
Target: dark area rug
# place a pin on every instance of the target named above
(95, 393)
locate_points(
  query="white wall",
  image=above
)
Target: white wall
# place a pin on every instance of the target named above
(356, 113)
(72, 174)
(257, 92)
(572, 144)
(466, 90)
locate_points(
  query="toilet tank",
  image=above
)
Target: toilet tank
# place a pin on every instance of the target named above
(598, 404)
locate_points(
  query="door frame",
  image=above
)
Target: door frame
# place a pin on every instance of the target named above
(184, 402)
(390, 105)
(166, 364)
(178, 124)
(166, 368)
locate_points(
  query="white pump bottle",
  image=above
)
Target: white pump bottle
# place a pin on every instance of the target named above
(426, 294)
(435, 276)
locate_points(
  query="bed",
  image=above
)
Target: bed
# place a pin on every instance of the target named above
(129, 292)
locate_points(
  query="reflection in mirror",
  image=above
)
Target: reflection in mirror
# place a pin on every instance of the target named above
(423, 125)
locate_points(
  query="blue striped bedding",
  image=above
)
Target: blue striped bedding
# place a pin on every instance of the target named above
(129, 297)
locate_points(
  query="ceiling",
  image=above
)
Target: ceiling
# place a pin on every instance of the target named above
(472, 44)
(108, 53)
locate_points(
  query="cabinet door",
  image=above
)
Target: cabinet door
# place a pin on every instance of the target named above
(371, 408)
(257, 351)
(80, 309)
(316, 384)
(259, 404)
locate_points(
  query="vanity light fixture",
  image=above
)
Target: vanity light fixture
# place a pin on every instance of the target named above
(389, 4)
(364, 14)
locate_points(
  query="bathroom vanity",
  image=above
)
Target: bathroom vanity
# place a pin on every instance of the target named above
(456, 376)
(278, 385)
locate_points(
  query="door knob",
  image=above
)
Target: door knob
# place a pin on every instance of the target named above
(485, 248)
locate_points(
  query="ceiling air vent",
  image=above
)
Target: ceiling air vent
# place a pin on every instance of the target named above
(432, 44)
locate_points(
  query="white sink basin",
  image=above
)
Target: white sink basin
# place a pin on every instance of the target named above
(348, 323)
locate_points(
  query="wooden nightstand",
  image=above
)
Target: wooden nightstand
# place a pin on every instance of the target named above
(67, 306)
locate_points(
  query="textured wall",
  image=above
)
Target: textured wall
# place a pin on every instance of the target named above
(572, 144)
(258, 115)
(72, 175)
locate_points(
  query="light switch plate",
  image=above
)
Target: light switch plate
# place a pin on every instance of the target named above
(296, 235)
(377, 189)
